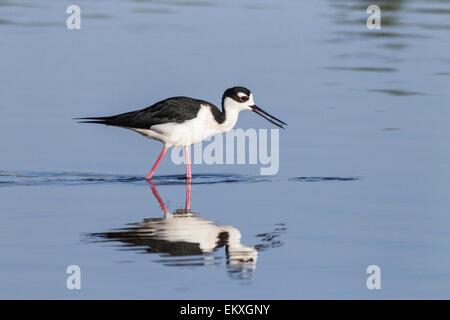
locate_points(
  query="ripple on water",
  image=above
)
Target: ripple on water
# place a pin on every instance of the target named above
(43, 178)
(324, 179)
(29, 178)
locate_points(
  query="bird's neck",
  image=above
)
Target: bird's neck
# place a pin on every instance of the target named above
(234, 236)
(230, 117)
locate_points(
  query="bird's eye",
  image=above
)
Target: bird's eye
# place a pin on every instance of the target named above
(244, 98)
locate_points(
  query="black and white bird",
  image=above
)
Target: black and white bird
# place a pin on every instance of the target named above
(182, 121)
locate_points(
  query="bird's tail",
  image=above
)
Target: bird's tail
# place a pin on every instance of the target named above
(132, 119)
(98, 120)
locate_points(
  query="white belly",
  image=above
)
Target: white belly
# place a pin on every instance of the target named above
(174, 134)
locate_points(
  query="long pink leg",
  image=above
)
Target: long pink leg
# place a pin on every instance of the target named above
(188, 162)
(188, 195)
(160, 200)
(152, 171)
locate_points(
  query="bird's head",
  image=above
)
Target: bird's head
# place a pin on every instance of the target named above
(240, 99)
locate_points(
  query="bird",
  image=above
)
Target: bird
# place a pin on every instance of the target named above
(183, 121)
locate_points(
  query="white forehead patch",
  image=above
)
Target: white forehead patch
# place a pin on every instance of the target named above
(241, 94)
(250, 99)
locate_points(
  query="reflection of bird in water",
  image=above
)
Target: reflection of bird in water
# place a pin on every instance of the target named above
(186, 239)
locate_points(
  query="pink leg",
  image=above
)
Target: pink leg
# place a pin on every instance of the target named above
(160, 200)
(188, 162)
(152, 171)
(188, 195)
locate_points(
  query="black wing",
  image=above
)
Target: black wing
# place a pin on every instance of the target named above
(177, 109)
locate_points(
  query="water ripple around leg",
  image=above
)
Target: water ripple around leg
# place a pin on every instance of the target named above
(41, 178)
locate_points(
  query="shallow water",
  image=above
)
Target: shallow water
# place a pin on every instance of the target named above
(363, 179)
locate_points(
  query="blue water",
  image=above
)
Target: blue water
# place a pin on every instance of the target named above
(364, 162)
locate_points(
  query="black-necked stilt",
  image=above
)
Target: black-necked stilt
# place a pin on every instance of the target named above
(182, 121)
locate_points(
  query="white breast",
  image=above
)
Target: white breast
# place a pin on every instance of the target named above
(184, 229)
(184, 134)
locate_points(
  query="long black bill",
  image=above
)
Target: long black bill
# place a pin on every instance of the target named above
(268, 117)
